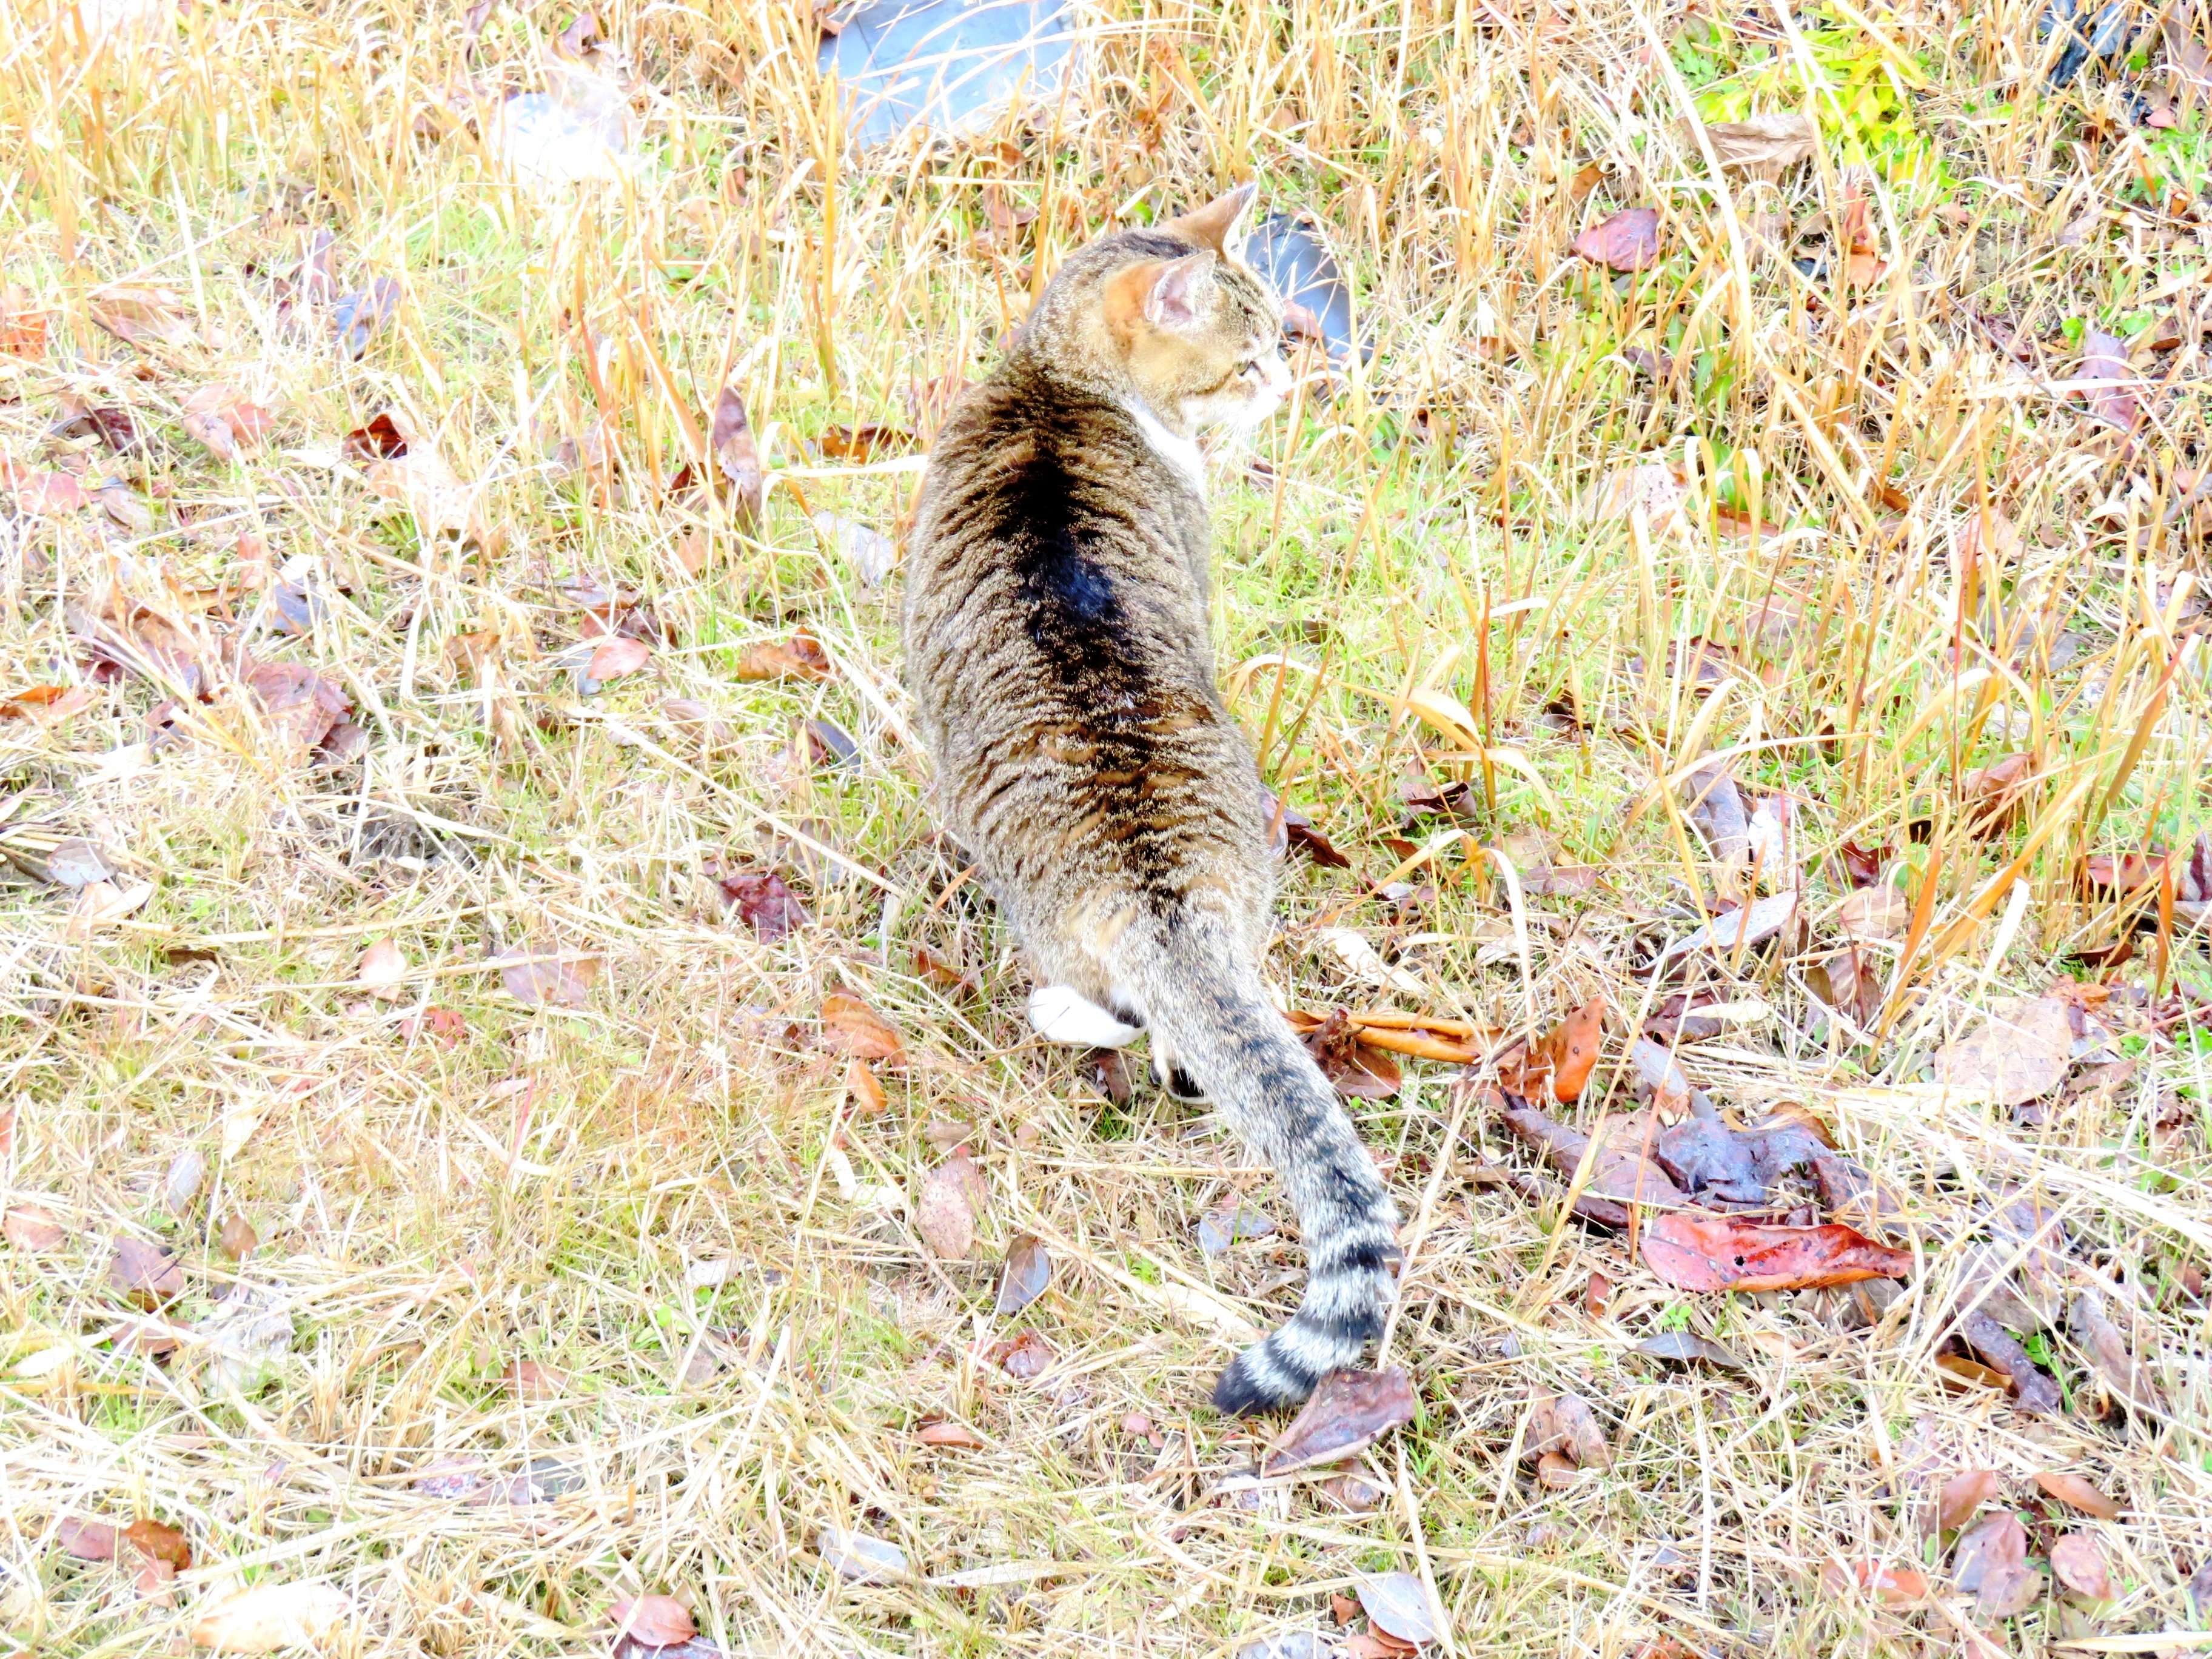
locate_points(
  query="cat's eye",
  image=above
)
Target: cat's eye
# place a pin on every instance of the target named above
(1250, 365)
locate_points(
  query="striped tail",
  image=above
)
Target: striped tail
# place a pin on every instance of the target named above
(1211, 1021)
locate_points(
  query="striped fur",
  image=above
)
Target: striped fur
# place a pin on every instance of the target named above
(1057, 650)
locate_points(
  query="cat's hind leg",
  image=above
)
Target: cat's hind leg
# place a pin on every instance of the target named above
(1060, 1013)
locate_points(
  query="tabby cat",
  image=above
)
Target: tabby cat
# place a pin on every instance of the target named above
(1057, 648)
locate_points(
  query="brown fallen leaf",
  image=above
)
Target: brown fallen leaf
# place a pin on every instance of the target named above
(304, 708)
(798, 658)
(529, 1379)
(1022, 1279)
(1558, 1065)
(1961, 1496)
(946, 1216)
(1628, 240)
(28, 1227)
(158, 1541)
(737, 457)
(270, 1616)
(2034, 1391)
(1693, 1250)
(2077, 1561)
(238, 1238)
(653, 1621)
(1359, 1071)
(1995, 796)
(2076, 1493)
(141, 316)
(24, 323)
(1621, 1175)
(1764, 145)
(2125, 1377)
(1849, 981)
(540, 974)
(1347, 1413)
(1891, 1583)
(851, 1027)
(949, 1433)
(2020, 1053)
(1564, 1424)
(146, 1273)
(41, 495)
(1397, 1605)
(1995, 1543)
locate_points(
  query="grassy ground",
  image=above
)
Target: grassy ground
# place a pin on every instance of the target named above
(623, 1223)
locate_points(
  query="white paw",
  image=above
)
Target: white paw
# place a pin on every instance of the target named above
(1058, 1015)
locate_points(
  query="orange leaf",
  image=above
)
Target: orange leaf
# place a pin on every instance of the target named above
(2076, 1493)
(850, 1025)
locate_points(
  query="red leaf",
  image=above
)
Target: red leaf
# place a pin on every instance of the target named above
(1894, 1586)
(1694, 1251)
(151, 1538)
(89, 1540)
(1629, 241)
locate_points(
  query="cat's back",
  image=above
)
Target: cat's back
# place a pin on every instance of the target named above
(1055, 541)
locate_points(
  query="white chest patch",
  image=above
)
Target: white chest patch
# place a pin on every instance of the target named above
(1182, 453)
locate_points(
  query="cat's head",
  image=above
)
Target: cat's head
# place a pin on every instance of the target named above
(1175, 315)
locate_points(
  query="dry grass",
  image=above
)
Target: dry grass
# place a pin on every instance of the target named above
(662, 1199)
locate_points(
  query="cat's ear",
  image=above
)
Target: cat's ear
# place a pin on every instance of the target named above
(1165, 293)
(1220, 225)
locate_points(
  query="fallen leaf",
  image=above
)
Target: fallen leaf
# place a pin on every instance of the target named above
(1850, 982)
(2105, 358)
(138, 316)
(851, 1027)
(1961, 1496)
(1628, 240)
(356, 318)
(1559, 1064)
(950, 1434)
(946, 1218)
(1346, 1413)
(737, 457)
(1717, 811)
(529, 1379)
(445, 1026)
(2008, 1591)
(306, 706)
(1751, 924)
(1022, 1280)
(1682, 1348)
(2126, 1378)
(617, 657)
(2077, 1561)
(1764, 144)
(382, 969)
(28, 1227)
(226, 420)
(2034, 1391)
(158, 1541)
(413, 472)
(41, 495)
(1028, 1356)
(798, 658)
(182, 1184)
(2076, 1493)
(1300, 836)
(540, 974)
(1892, 1584)
(1695, 1251)
(1619, 1174)
(1558, 1471)
(1358, 1071)
(146, 1273)
(1396, 1604)
(860, 1557)
(2020, 1053)
(24, 323)
(1219, 1229)
(1992, 1544)
(764, 902)
(653, 1621)
(271, 1616)
(864, 443)
(89, 1540)
(238, 1238)
(1874, 913)
(1995, 795)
